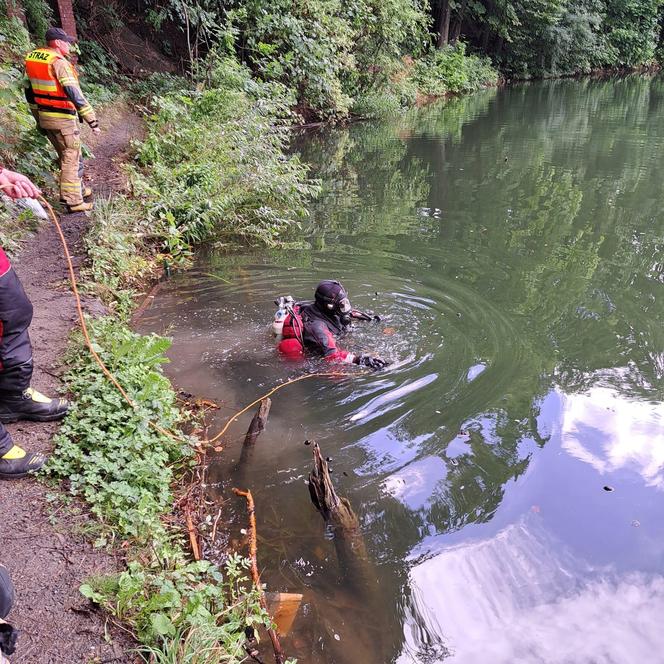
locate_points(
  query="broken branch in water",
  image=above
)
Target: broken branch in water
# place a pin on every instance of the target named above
(278, 652)
(339, 514)
(257, 425)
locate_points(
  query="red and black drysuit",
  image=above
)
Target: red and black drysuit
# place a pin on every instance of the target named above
(315, 330)
(15, 346)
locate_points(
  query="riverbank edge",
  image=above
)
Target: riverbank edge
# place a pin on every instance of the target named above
(506, 82)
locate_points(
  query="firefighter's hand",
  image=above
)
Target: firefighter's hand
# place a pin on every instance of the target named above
(371, 361)
(96, 130)
(16, 185)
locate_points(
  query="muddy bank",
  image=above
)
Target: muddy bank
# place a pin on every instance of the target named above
(49, 562)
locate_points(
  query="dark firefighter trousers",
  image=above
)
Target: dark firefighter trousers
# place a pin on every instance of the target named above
(15, 347)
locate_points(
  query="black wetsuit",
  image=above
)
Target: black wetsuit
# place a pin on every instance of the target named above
(321, 331)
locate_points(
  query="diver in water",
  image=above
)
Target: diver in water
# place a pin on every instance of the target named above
(317, 325)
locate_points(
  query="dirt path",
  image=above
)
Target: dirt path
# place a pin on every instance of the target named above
(48, 563)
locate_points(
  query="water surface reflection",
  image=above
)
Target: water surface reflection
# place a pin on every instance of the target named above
(512, 241)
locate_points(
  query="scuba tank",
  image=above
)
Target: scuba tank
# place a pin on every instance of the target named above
(284, 303)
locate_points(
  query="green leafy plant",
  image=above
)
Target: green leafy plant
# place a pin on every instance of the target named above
(106, 451)
(451, 70)
(214, 165)
(180, 607)
(22, 146)
(39, 16)
(118, 244)
(329, 52)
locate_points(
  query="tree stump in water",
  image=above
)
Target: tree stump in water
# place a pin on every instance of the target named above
(257, 425)
(256, 428)
(339, 515)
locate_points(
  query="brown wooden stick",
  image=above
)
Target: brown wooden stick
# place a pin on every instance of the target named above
(257, 425)
(193, 536)
(279, 656)
(214, 527)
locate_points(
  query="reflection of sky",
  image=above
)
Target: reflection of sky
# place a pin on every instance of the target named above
(384, 402)
(414, 484)
(611, 432)
(517, 597)
(564, 573)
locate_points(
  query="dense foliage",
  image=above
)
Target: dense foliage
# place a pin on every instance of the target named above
(342, 57)
(107, 451)
(336, 58)
(20, 142)
(214, 164)
(528, 38)
(189, 612)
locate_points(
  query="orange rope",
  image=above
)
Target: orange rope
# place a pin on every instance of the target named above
(268, 394)
(84, 327)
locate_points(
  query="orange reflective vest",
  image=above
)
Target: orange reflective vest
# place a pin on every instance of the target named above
(49, 94)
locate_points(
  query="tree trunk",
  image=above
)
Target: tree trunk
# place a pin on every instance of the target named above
(67, 21)
(444, 24)
(456, 31)
(257, 425)
(338, 513)
(256, 428)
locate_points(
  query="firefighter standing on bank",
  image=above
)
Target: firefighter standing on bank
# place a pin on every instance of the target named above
(57, 102)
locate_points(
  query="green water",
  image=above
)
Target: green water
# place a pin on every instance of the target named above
(508, 467)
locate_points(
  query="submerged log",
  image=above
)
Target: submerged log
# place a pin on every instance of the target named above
(256, 428)
(257, 425)
(339, 515)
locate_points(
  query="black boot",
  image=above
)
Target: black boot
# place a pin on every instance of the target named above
(31, 405)
(19, 463)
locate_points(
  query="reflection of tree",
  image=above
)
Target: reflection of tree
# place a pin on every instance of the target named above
(367, 185)
(550, 211)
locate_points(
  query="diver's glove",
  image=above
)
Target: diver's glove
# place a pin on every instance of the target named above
(370, 361)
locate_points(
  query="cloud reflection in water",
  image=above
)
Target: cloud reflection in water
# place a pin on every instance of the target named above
(516, 597)
(610, 432)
